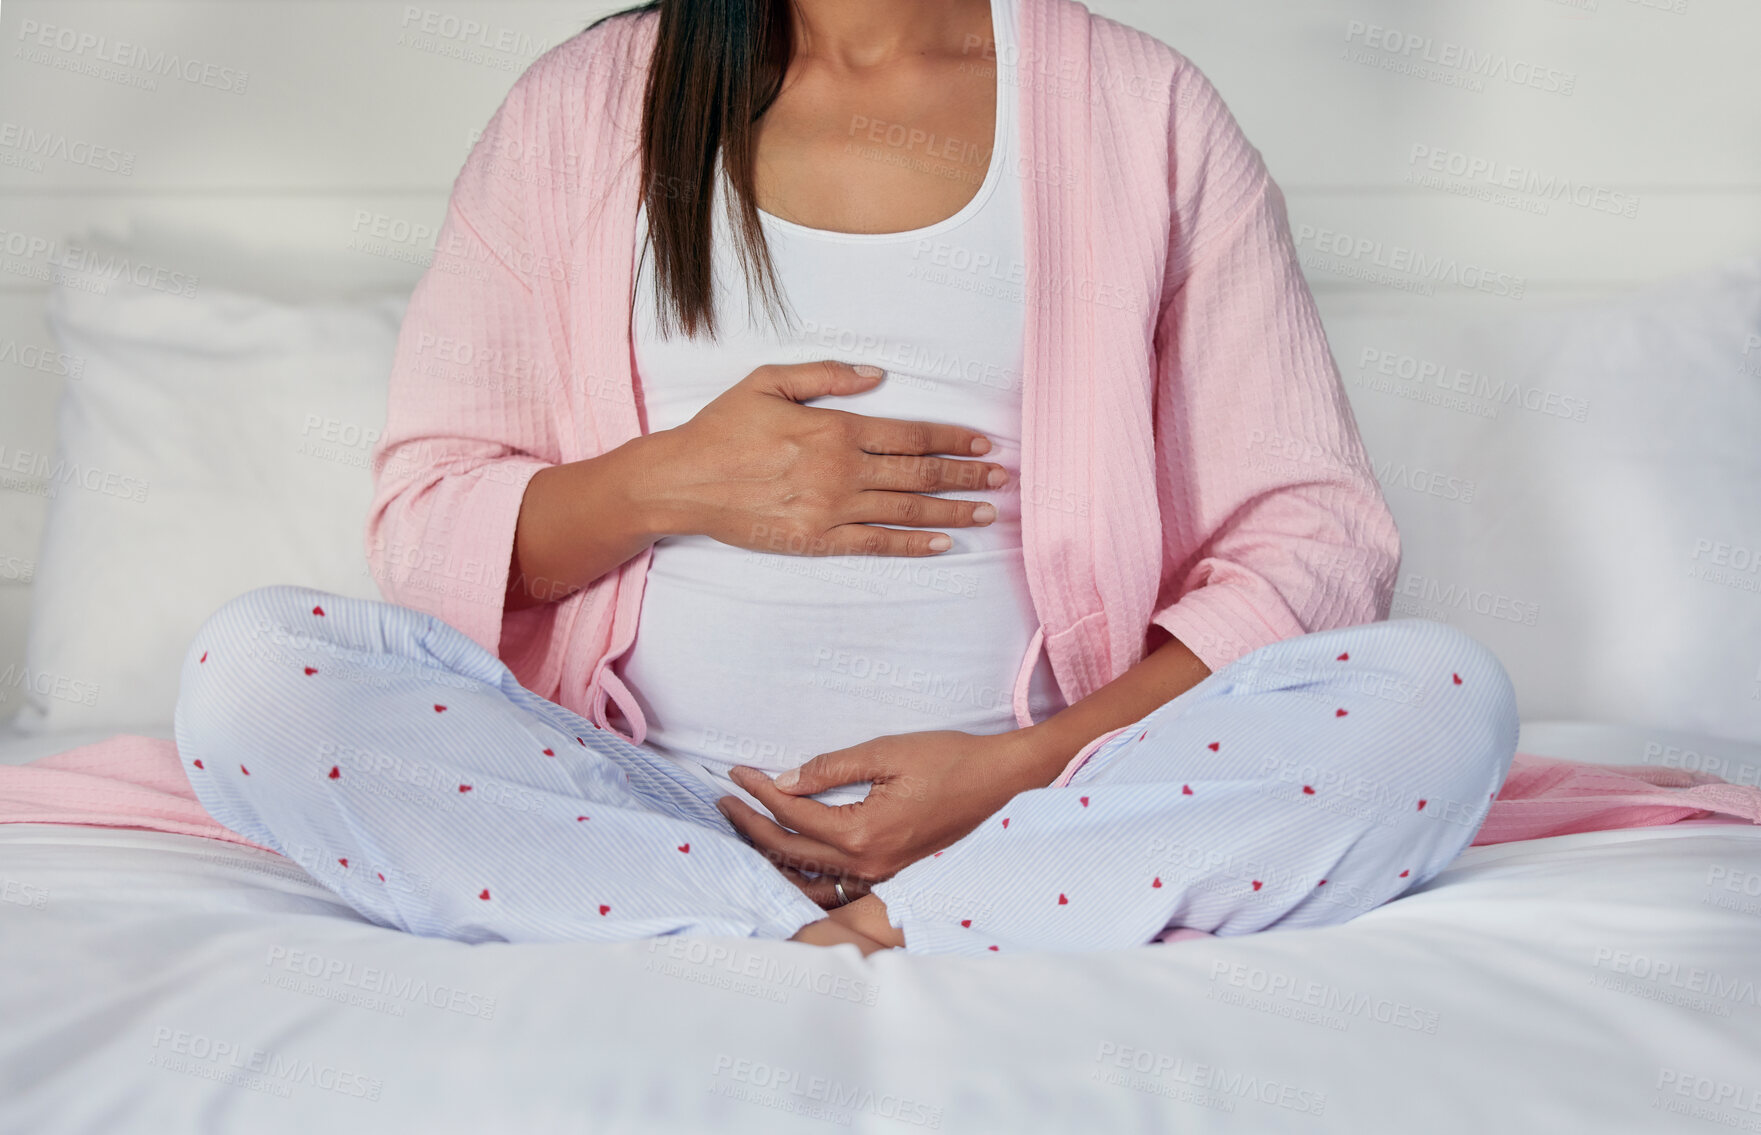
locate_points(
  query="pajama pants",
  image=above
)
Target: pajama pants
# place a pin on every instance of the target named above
(407, 770)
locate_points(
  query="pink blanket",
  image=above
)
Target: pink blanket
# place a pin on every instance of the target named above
(125, 782)
(138, 782)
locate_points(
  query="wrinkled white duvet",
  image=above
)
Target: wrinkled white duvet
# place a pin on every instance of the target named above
(1596, 982)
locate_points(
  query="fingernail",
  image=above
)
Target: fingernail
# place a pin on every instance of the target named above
(940, 542)
(788, 780)
(867, 371)
(984, 513)
(997, 478)
(981, 445)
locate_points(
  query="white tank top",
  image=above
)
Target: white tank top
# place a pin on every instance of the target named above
(769, 659)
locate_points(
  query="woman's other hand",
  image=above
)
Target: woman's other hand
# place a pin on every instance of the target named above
(929, 790)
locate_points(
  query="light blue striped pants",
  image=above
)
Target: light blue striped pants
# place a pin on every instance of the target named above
(406, 769)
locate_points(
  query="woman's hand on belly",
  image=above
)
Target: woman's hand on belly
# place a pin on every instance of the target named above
(755, 469)
(929, 790)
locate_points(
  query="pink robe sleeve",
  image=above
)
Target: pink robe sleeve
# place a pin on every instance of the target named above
(1273, 522)
(476, 394)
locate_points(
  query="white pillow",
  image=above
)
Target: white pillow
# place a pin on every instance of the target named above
(216, 442)
(1602, 532)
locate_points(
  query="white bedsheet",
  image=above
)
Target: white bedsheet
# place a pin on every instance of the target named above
(1570, 984)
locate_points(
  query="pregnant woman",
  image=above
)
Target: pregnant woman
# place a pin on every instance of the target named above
(860, 473)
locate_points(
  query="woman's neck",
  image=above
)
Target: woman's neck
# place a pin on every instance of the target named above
(860, 34)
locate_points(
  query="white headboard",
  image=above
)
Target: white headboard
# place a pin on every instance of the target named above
(291, 130)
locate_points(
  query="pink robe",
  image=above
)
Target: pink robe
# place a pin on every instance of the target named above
(1189, 459)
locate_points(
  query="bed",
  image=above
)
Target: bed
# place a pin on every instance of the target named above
(1600, 982)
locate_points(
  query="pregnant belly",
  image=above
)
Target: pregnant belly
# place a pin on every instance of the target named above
(769, 660)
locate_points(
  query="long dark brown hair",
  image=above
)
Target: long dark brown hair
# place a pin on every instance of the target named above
(718, 65)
